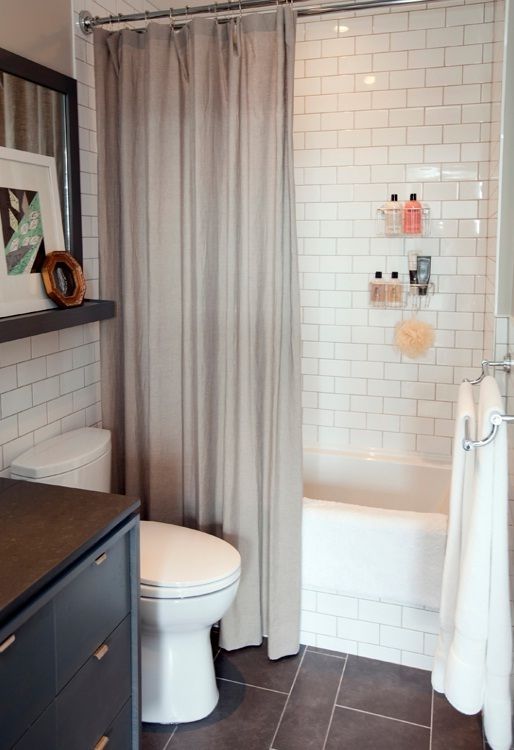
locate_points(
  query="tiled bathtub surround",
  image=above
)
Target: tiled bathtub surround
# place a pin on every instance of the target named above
(374, 628)
(401, 101)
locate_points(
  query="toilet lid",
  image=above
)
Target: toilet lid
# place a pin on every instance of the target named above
(174, 557)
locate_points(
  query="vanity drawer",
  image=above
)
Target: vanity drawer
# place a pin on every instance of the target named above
(97, 693)
(90, 607)
(42, 734)
(119, 735)
(27, 675)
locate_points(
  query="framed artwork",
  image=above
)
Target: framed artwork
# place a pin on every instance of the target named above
(30, 227)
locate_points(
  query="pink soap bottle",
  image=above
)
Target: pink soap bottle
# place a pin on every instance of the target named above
(412, 215)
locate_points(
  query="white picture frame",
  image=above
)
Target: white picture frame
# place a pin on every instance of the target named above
(30, 227)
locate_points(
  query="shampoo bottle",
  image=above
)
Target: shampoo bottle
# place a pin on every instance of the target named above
(394, 291)
(392, 217)
(377, 291)
(412, 215)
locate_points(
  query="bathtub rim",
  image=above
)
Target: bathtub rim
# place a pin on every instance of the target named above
(431, 461)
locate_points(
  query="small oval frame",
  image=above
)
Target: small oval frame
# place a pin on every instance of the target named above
(63, 279)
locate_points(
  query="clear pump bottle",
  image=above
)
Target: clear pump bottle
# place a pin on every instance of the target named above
(392, 217)
(377, 290)
(394, 291)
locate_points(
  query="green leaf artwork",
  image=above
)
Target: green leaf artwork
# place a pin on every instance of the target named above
(22, 229)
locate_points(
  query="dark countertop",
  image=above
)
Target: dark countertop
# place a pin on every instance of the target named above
(45, 528)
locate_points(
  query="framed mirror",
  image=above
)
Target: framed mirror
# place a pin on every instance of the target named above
(38, 114)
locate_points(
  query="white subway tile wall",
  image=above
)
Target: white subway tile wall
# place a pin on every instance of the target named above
(51, 383)
(395, 101)
(369, 627)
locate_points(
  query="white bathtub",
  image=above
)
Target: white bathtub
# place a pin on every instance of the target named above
(374, 526)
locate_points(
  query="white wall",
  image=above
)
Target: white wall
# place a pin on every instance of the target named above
(39, 30)
(51, 383)
(419, 127)
(395, 100)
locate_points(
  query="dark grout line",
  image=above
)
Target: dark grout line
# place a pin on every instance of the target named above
(382, 716)
(287, 700)
(249, 684)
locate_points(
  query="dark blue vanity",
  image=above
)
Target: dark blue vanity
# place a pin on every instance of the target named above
(69, 592)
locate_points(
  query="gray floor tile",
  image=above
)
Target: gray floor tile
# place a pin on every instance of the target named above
(252, 666)
(309, 709)
(353, 730)
(386, 689)
(451, 729)
(245, 719)
(155, 736)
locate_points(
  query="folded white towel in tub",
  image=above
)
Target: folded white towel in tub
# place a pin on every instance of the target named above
(374, 553)
(480, 655)
(461, 495)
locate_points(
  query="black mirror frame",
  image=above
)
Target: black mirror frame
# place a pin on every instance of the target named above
(43, 76)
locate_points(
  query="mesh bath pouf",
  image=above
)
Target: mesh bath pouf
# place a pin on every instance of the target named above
(413, 337)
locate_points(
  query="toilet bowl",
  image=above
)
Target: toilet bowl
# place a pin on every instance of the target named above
(188, 581)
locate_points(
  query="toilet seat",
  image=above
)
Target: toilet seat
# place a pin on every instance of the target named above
(177, 562)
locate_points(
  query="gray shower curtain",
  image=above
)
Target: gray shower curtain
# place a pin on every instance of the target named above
(200, 368)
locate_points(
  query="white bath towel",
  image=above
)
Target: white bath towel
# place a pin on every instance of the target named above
(479, 660)
(458, 516)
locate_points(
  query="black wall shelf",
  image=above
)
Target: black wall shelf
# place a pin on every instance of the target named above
(43, 321)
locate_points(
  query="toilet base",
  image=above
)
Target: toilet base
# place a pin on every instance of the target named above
(178, 679)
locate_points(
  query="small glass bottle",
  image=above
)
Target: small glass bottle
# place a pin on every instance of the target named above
(377, 291)
(394, 291)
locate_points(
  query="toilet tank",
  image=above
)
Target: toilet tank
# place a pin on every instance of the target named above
(79, 458)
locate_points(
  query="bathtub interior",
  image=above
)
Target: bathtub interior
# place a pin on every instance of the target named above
(375, 480)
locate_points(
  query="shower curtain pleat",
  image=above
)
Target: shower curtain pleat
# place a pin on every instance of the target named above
(200, 369)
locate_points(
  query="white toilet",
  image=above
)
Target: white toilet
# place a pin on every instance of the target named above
(188, 581)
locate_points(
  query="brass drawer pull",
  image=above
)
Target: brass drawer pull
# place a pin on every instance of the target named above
(101, 651)
(8, 642)
(102, 742)
(101, 559)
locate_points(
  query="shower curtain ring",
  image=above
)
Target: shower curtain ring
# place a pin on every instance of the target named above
(187, 14)
(172, 25)
(216, 12)
(110, 22)
(240, 10)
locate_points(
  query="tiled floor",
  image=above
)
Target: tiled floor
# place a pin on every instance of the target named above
(320, 700)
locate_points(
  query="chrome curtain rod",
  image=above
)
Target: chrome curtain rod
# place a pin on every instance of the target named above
(87, 22)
